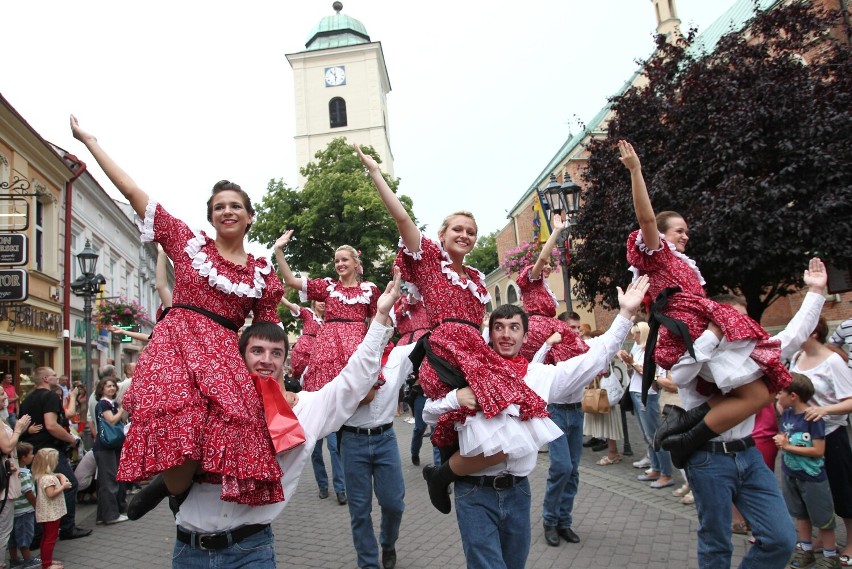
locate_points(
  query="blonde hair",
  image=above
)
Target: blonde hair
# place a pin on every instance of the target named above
(351, 250)
(446, 223)
(44, 463)
(642, 328)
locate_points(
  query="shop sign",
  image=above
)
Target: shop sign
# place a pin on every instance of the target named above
(13, 249)
(13, 285)
(30, 317)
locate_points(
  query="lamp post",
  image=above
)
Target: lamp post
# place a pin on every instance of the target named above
(87, 286)
(558, 199)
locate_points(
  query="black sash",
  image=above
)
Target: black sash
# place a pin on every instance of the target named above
(447, 372)
(217, 318)
(341, 320)
(675, 326)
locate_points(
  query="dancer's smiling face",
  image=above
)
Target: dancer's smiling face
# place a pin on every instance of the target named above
(508, 335)
(676, 232)
(458, 236)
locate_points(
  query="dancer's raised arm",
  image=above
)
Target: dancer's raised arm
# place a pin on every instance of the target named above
(287, 275)
(407, 229)
(641, 201)
(547, 249)
(135, 195)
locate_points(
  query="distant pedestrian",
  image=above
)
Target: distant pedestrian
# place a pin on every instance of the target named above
(50, 504)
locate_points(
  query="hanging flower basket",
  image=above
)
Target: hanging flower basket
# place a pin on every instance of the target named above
(121, 312)
(515, 259)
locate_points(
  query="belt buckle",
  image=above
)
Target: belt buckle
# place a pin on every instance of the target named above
(725, 447)
(496, 484)
(210, 537)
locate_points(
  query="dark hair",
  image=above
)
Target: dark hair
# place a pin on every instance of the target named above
(801, 386)
(664, 217)
(730, 299)
(24, 449)
(507, 312)
(99, 390)
(566, 316)
(264, 331)
(223, 186)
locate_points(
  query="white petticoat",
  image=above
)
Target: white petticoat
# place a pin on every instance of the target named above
(731, 365)
(505, 433)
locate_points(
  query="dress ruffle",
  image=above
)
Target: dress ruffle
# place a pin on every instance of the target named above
(505, 433)
(643, 247)
(203, 263)
(146, 226)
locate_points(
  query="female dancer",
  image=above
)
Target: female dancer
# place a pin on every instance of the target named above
(311, 325)
(540, 304)
(455, 297)
(193, 403)
(657, 249)
(349, 303)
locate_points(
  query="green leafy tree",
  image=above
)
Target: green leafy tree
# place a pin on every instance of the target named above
(484, 254)
(337, 206)
(749, 143)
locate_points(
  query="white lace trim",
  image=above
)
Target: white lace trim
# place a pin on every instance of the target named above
(455, 279)
(640, 243)
(392, 316)
(317, 319)
(412, 289)
(146, 226)
(303, 292)
(202, 263)
(416, 255)
(363, 298)
(546, 286)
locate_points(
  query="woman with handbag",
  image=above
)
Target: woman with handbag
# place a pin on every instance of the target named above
(602, 418)
(112, 506)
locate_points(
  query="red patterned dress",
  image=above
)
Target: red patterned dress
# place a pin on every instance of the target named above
(346, 311)
(540, 305)
(191, 396)
(513, 418)
(301, 353)
(667, 268)
(411, 320)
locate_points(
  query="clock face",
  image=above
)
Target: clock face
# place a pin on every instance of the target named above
(335, 76)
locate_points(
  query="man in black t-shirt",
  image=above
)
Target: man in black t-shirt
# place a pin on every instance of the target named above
(45, 408)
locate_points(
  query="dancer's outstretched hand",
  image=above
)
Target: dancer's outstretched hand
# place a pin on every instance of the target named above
(284, 240)
(368, 161)
(79, 133)
(392, 292)
(816, 277)
(629, 300)
(628, 156)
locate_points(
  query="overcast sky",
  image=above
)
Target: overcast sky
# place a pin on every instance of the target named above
(183, 94)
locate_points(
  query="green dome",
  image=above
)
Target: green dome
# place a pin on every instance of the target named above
(338, 30)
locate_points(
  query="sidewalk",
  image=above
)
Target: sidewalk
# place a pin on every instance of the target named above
(621, 523)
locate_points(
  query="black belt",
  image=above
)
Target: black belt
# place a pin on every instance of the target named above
(567, 405)
(496, 482)
(218, 540)
(342, 320)
(218, 318)
(311, 335)
(460, 321)
(368, 430)
(729, 447)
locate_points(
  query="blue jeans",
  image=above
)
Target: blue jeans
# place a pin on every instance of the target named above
(719, 479)
(494, 525)
(649, 422)
(419, 425)
(372, 461)
(336, 465)
(254, 552)
(563, 476)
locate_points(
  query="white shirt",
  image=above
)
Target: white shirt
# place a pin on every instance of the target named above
(832, 381)
(381, 410)
(686, 371)
(320, 413)
(553, 383)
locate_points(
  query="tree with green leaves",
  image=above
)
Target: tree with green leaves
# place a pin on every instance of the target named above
(338, 205)
(484, 254)
(750, 143)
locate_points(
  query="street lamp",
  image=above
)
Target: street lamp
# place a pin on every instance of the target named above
(87, 285)
(559, 199)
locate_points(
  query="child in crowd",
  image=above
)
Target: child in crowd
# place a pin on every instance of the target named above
(50, 502)
(805, 484)
(24, 527)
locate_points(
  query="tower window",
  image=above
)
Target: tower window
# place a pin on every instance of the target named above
(337, 112)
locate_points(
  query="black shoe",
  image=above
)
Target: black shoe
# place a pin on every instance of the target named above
(341, 498)
(388, 558)
(600, 446)
(323, 493)
(682, 446)
(551, 535)
(438, 480)
(592, 442)
(568, 535)
(148, 498)
(677, 420)
(75, 533)
(415, 460)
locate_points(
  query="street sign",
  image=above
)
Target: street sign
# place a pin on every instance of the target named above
(13, 285)
(14, 213)
(13, 249)
(125, 339)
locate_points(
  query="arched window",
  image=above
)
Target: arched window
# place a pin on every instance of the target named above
(497, 298)
(337, 112)
(512, 295)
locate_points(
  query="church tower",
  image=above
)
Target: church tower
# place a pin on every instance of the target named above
(341, 85)
(667, 20)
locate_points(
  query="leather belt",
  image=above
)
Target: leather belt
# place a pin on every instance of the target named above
(218, 540)
(368, 430)
(500, 482)
(729, 447)
(567, 405)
